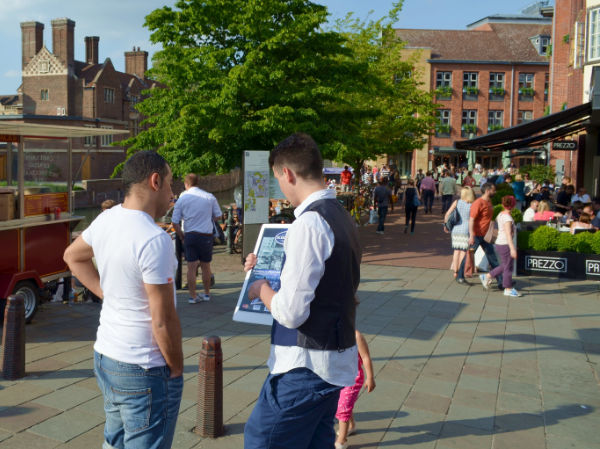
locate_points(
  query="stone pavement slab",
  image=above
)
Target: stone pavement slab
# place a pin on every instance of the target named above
(455, 366)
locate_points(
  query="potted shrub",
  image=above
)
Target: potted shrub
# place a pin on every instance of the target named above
(469, 128)
(497, 90)
(443, 91)
(492, 128)
(526, 91)
(442, 129)
(471, 90)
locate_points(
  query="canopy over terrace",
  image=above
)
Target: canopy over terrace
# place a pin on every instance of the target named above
(17, 131)
(533, 133)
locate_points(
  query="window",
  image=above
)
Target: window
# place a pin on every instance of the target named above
(89, 141)
(443, 79)
(470, 86)
(524, 116)
(44, 66)
(594, 34)
(106, 141)
(497, 80)
(442, 129)
(526, 91)
(44, 95)
(544, 44)
(469, 122)
(546, 85)
(495, 120)
(109, 95)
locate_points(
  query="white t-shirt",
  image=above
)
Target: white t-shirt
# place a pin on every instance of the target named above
(130, 251)
(198, 209)
(528, 214)
(502, 218)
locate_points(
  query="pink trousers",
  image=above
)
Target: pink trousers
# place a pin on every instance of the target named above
(349, 395)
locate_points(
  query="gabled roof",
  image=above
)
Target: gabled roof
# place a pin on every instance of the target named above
(499, 42)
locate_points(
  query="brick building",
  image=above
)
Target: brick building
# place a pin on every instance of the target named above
(59, 90)
(493, 75)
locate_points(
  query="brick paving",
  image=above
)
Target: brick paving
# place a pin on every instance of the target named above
(456, 366)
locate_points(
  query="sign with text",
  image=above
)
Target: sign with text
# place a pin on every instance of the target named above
(45, 203)
(256, 187)
(564, 145)
(9, 138)
(592, 267)
(543, 263)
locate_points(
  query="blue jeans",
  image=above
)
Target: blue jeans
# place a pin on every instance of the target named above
(428, 199)
(382, 212)
(294, 410)
(141, 405)
(488, 249)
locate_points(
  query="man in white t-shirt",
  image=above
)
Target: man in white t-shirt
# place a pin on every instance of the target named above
(531, 210)
(198, 210)
(138, 357)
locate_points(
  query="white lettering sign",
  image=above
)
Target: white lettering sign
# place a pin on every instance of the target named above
(592, 267)
(551, 264)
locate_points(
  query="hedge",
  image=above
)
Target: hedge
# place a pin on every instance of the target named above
(546, 238)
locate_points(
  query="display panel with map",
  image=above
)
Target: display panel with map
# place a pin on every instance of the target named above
(256, 187)
(271, 256)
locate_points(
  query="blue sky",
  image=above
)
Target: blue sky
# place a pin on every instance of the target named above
(119, 23)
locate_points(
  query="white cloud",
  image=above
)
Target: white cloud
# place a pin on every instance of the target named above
(12, 73)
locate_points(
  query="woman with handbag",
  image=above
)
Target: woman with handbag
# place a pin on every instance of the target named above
(412, 201)
(456, 221)
(505, 247)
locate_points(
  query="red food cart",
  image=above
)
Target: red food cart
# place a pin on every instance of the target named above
(35, 227)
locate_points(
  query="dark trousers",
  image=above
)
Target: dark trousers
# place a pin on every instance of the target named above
(488, 249)
(382, 212)
(428, 199)
(411, 215)
(294, 410)
(446, 202)
(505, 268)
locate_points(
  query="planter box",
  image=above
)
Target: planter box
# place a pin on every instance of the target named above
(558, 264)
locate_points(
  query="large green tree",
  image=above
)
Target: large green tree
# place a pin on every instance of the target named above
(403, 111)
(243, 74)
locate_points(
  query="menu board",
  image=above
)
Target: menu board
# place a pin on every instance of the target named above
(271, 257)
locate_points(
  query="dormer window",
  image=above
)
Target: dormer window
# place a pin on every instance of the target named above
(541, 44)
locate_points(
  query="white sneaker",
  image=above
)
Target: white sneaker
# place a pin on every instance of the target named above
(485, 281)
(512, 292)
(195, 300)
(206, 297)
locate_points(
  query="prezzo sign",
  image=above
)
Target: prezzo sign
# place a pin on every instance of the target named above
(568, 145)
(542, 263)
(592, 267)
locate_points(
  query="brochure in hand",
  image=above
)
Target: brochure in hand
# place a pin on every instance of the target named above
(270, 255)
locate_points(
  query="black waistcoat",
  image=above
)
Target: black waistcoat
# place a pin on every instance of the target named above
(331, 323)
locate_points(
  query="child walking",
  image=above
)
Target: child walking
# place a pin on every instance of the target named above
(349, 395)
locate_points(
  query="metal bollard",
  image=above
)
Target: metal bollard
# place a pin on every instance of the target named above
(209, 422)
(13, 338)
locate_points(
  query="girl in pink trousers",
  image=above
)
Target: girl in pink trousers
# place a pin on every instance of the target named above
(349, 395)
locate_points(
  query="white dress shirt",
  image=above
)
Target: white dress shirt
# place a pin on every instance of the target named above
(308, 244)
(198, 209)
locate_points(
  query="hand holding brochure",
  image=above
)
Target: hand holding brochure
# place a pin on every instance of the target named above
(271, 257)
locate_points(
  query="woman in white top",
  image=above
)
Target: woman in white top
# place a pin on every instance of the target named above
(505, 247)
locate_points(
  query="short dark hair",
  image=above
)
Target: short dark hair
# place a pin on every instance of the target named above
(141, 166)
(486, 186)
(300, 153)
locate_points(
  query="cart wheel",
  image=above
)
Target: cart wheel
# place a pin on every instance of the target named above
(32, 298)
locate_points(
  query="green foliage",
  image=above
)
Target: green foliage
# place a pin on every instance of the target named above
(539, 172)
(544, 238)
(596, 243)
(501, 191)
(526, 91)
(515, 213)
(566, 242)
(497, 90)
(584, 242)
(443, 91)
(523, 240)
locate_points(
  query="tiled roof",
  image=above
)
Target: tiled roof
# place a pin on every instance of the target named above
(503, 42)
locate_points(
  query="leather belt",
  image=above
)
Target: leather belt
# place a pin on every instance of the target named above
(199, 233)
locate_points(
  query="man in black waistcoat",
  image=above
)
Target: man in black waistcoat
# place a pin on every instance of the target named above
(313, 346)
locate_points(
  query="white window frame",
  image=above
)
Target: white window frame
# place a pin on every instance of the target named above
(524, 116)
(44, 66)
(593, 35)
(495, 117)
(109, 95)
(471, 79)
(444, 116)
(107, 140)
(469, 117)
(443, 79)
(89, 141)
(497, 79)
(526, 80)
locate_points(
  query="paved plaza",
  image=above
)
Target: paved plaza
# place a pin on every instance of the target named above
(456, 366)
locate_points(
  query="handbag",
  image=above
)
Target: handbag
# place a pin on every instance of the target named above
(492, 233)
(453, 220)
(416, 201)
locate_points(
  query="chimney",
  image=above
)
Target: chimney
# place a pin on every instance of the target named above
(62, 40)
(91, 49)
(136, 62)
(32, 36)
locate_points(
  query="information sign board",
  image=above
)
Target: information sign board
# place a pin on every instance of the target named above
(256, 187)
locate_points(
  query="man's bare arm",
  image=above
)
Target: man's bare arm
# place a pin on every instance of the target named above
(165, 325)
(78, 256)
(178, 231)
